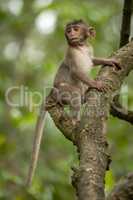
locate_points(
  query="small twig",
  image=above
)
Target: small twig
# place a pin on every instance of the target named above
(118, 111)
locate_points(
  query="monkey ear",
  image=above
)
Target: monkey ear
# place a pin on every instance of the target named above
(91, 32)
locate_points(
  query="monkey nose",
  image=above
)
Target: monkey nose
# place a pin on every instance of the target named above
(72, 35)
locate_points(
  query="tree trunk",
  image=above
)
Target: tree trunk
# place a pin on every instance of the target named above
(90, 135)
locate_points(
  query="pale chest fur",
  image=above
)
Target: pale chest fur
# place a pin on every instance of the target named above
(81, 58)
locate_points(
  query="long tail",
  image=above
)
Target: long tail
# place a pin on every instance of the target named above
(36, 144)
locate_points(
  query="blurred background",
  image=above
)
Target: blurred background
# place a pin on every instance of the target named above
(32, 45)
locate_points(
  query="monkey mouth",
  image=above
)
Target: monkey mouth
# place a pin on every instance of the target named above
(74, 39)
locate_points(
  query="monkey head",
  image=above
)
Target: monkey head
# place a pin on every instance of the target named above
(77, 32)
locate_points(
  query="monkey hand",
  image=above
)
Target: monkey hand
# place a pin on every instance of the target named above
(112, 62)
(99, 85)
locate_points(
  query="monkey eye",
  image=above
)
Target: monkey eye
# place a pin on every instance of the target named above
(68, 30)
(76, 28)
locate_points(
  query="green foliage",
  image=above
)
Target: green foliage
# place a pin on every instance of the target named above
(29, 59)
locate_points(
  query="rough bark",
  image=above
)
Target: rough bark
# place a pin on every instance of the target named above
(90, 134)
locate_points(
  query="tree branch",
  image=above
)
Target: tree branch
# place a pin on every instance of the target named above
(61, 119)
(126, 22)
(118, 111)
(123, 190)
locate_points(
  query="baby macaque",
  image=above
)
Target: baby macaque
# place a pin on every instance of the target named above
(72, 80)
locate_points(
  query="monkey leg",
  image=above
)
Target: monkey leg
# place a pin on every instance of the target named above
(70, 95)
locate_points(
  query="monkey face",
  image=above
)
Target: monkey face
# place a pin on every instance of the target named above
(74, 33)
(77, 33)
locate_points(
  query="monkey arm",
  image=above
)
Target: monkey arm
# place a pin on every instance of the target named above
(82, 77)
(91, 83)
(105, 61)
(98, 61)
